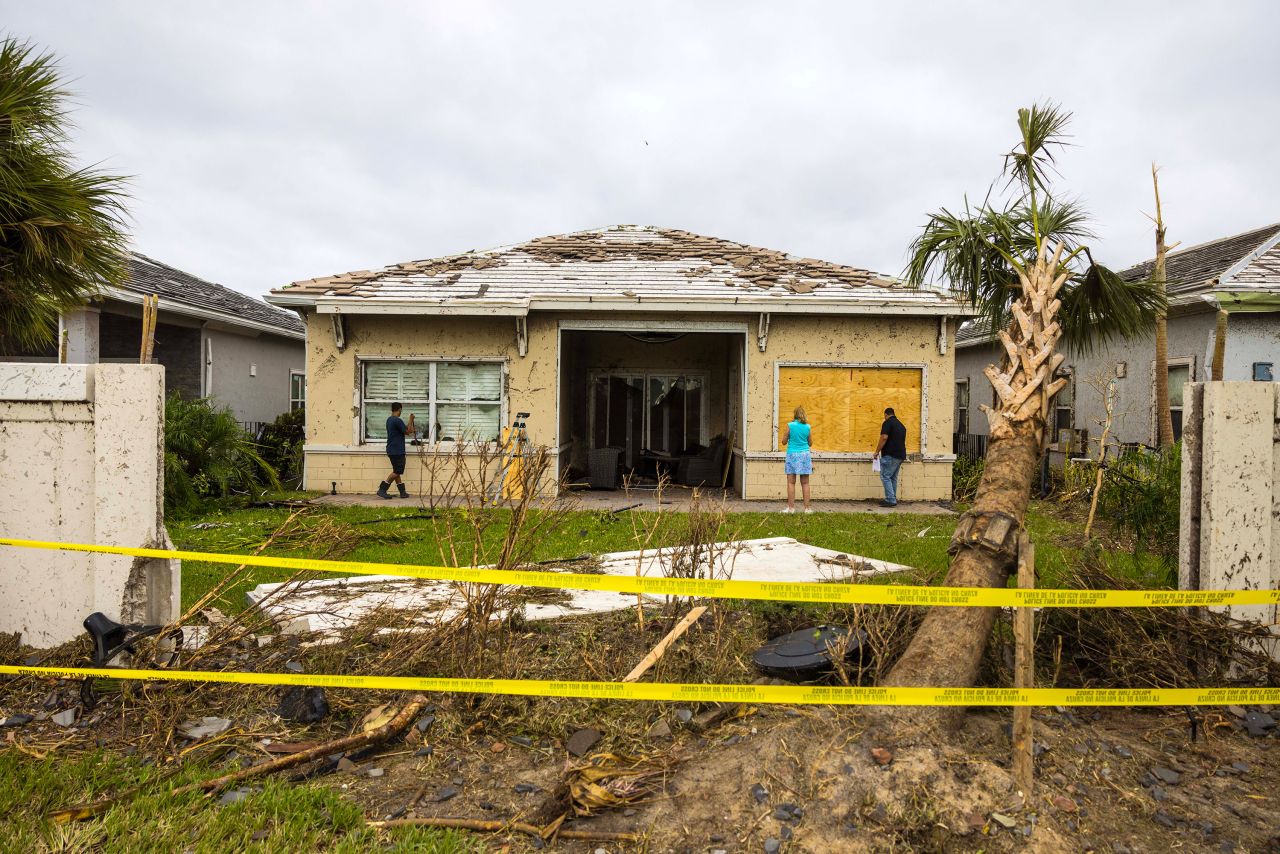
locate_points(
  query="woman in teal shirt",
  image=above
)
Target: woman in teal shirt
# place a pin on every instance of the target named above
(798, 437)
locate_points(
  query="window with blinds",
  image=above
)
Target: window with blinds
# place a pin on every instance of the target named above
(845, 406)
(457, 401)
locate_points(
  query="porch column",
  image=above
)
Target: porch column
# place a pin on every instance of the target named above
(80, 330)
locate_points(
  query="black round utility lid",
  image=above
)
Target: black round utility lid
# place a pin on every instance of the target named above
(807, 652)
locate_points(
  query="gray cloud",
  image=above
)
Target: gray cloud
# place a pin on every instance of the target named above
(278, 141)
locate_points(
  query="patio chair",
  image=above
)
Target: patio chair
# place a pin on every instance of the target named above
(602, 467)
(704, 467)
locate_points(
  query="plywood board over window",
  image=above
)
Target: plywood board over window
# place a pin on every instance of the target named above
(845, 405)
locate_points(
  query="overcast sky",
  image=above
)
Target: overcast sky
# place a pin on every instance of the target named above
(270, 142)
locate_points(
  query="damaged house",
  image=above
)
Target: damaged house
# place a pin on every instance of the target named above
(635, 350)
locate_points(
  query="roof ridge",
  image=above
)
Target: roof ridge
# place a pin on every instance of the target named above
(1270, 229)
(530, 243)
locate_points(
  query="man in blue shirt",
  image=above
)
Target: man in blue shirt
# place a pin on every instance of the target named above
(891, 451)
(396, 431)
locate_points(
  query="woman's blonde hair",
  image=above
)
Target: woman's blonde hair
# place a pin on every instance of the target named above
(798, 415)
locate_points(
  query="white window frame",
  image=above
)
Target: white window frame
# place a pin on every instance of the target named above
(1189, 362)
(966, 408)
(432, 401)
(1069, 374)
(853, 455)
(297, 403)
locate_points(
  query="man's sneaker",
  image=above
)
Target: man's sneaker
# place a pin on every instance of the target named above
(788, 510)
(808, 510)
(888, 504)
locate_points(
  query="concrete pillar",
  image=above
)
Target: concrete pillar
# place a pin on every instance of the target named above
(81, 461)
(1230, 513)
(81, 330)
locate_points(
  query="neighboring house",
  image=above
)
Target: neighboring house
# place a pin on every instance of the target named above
(655, 342)
(213, 341)
(1240, 274)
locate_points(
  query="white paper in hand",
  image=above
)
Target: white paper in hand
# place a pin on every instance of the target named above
(875, 464)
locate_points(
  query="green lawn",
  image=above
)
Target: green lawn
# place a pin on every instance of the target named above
(914, 540)
(273, 816)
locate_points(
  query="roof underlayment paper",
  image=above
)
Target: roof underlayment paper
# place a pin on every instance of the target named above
(332, 604)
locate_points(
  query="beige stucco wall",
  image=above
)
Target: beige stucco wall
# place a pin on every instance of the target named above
(335, 455)
(851, 341)
(81, 461)
(334, 452)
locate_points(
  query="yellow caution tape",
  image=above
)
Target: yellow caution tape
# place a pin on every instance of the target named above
(687, 692)
(778, 591)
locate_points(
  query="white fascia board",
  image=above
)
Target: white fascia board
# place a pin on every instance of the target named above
(172, 305)
(520, 308)
(1228, 278)
(767, 306)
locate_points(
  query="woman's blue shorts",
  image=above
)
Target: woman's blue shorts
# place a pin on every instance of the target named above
(798, 462)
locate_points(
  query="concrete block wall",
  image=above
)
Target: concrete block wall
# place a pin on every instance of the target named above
(359, 472)
(928, 480)
(81, 461)
(1229, 536)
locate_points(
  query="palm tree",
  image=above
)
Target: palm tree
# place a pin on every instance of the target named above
(1164, 414)
(1024, 264)
(61, 228)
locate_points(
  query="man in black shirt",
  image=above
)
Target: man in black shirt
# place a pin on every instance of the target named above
(396, 431)
(891, 451)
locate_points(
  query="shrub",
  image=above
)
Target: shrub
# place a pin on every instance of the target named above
(206, 453)
(1140, 495)
(966, 474)
(280, 444)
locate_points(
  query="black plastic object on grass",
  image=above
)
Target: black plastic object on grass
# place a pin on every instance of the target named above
(807, 654)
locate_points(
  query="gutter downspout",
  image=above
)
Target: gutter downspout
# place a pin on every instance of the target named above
(208, 367)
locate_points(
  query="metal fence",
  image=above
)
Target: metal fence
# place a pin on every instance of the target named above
(971, 445)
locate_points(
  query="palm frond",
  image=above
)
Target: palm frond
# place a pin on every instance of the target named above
(62, 229)
(1099, 307)
(1043, 130)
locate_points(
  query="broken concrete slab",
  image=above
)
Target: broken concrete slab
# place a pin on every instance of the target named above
(330, 605)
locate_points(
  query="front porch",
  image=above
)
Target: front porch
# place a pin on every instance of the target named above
(636, 404)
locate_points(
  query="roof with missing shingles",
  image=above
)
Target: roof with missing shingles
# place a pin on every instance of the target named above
(617, 263)
(149, 276)
(1195, 270)
(1198, 268)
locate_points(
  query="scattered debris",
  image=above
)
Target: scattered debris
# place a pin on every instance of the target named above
(17, 720)
(234, 796)
(447, 793)
(882, 755)
(760, 793)
(1003, 820)
(66, 717)
(206, 727)
(395, 725)
(303, 705)
(582, 741)
(505, 826)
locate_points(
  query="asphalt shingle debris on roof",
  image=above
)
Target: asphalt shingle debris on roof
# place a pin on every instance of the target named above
(1196, 268)
(616, 262)
(149, 276)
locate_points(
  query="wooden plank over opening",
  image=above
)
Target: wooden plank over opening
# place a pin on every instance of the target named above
(846, 405)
